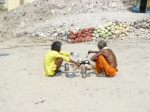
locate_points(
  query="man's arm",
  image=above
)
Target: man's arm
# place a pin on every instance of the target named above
(90, 51)
(65, 53)
(72, 61)
(93, 58)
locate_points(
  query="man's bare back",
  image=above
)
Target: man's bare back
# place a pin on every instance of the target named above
(104, 59)
(109, 56)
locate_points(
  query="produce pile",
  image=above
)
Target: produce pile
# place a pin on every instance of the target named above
(82, 35)
(111, 30)
(107, 31)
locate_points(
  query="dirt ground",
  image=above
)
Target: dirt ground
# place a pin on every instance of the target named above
(23, 87)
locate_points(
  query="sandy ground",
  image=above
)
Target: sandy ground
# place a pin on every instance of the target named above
(23, 87)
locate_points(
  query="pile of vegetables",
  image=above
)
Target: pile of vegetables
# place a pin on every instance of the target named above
(107, 31)
(111, 30)
(82, 35)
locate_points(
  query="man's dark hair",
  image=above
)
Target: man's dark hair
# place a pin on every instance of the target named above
(101, 44)
(56, 46)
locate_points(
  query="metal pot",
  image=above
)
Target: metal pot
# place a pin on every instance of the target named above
(80, 61)
(86, 61)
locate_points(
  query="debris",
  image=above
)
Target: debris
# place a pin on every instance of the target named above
(44, 18)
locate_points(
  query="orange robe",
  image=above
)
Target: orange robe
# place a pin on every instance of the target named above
(102, 63)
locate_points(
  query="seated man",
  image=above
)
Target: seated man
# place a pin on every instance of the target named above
(54, 58)
(105, 60)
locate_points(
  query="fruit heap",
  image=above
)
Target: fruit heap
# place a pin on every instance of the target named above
(111, 30)
(82, 35)
(107, 31)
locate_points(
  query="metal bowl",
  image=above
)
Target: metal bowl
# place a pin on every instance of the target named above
(70, 74)
(86, 61)
(80, 61)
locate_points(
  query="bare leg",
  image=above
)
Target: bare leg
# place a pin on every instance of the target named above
(58, 62)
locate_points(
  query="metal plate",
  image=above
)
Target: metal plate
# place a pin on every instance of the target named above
(70, 74)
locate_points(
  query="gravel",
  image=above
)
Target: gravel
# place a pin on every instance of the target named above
(50, 18)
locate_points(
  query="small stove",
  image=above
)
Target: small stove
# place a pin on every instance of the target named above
(83, 61)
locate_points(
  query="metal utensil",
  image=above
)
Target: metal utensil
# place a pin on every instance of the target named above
(66, 67)
(70, 74)
(87, 55)
(83, 71)
(80, 61)
(86, 61)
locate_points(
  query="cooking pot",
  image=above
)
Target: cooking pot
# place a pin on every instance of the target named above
(86, 61)
(80, 61)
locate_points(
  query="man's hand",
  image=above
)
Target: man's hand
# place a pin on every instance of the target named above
(90, 51)
(75, 65)
(78, 64)
(93, 59)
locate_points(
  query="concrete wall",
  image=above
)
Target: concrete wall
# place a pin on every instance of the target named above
(27, 1)
(11, 4)
(2, 1)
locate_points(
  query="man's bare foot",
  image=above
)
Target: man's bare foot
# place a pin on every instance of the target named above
(88, 67)
(100, 74)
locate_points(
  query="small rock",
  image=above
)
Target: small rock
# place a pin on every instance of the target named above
(42, 34)
(55, 34)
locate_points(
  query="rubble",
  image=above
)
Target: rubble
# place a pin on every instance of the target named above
(55, 19)
(144, 23)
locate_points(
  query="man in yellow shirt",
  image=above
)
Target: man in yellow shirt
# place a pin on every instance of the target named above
(54, 58)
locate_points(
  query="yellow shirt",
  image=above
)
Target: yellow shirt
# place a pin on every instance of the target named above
(50, 58)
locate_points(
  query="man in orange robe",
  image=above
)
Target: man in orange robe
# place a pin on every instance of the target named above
(105, 60)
